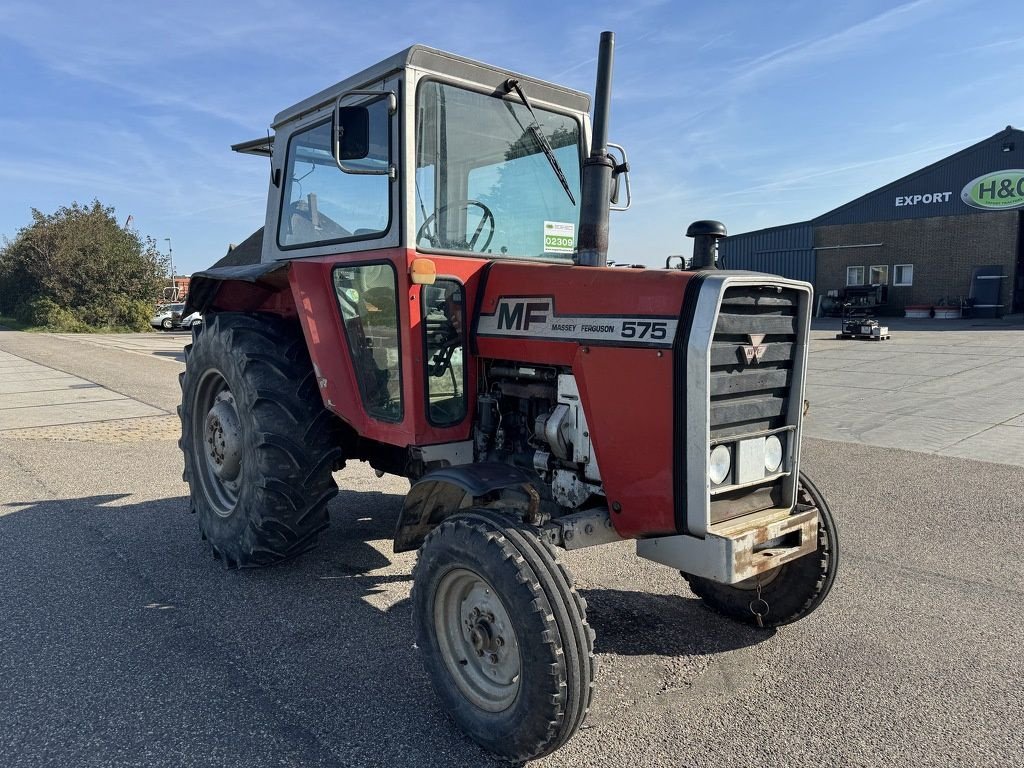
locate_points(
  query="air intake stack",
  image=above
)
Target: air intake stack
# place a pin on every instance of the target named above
(706, 235)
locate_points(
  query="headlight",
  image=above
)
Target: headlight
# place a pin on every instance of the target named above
(772, 453)
(720, 464)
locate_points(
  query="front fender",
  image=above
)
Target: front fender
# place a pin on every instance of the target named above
(443, 492)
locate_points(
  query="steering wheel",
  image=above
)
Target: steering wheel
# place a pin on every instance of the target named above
(486, 220)
(443, 338)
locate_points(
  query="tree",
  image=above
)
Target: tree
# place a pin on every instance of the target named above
(77, 269)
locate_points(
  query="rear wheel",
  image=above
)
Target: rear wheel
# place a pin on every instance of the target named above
(259, 447)
(791, 591)
(167, 324)
(503, 633)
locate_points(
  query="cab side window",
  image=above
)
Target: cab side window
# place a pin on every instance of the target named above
(444, 334)
(368, 300)
(321, 203)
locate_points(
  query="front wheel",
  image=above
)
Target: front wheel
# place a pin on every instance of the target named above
(503, 633)
(791, 591)
(167, 324)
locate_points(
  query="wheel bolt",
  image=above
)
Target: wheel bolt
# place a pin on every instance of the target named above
(494, 658)
(480, 652)
(499, 641)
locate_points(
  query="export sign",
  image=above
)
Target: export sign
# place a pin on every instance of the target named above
(1002, 190)
(927, 198)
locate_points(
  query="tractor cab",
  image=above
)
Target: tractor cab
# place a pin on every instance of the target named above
(419, 171)
(429, 152)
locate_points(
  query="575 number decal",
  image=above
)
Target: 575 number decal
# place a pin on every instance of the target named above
(639, 329)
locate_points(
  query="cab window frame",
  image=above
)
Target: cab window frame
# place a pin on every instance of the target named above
(303, 129)
(399, 325)
(465, 349)
(483, 90)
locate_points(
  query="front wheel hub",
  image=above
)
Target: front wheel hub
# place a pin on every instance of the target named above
(477, 640)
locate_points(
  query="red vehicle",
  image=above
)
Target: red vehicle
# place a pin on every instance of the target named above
(433, 299)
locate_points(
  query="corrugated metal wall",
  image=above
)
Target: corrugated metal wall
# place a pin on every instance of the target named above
(786, 251)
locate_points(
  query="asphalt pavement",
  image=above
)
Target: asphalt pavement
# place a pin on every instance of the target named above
(123, 642)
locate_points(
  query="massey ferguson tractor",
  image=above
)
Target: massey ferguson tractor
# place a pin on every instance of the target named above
(433, 298)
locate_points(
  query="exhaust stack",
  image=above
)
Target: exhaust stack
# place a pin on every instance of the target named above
(592, 246)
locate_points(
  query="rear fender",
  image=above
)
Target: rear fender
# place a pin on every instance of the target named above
(443, 492)
(248, 288)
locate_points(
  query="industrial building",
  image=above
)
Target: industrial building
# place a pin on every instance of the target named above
(948, 235)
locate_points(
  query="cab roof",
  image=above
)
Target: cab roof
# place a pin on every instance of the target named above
(432, 60)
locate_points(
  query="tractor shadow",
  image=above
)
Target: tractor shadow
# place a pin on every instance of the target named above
(124, 636)
(631, 623)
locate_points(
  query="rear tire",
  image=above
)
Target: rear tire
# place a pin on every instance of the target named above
(790, 592)
(503, 633)
(259, 446)
(167, 324)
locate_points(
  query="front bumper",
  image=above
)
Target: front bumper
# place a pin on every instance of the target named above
(739, 549)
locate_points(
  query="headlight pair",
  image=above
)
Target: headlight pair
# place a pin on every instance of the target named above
(720, 462)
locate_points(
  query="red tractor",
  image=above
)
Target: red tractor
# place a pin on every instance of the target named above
(433, 298)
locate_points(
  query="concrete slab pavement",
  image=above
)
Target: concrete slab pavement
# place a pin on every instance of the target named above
(36, 396)
(160, 344)
(947, 387)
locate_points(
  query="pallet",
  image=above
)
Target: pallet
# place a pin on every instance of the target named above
(863, 336)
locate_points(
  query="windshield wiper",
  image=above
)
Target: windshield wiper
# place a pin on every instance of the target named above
(534, 128)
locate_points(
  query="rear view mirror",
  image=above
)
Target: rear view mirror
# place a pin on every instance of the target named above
(351, 133)
(351, 129)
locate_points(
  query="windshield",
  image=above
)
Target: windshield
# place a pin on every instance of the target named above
(483, 183)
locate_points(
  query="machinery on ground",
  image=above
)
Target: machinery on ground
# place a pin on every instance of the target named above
(433, 299)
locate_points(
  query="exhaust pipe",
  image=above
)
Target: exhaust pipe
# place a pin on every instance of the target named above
(592, 246)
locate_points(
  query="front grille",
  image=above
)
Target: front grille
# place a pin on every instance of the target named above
(751, 397)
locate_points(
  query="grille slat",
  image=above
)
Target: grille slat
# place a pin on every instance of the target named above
(731, 353)
(755, 323)
(745, 297)
(743, 382)
(750, 409)
(748, 397)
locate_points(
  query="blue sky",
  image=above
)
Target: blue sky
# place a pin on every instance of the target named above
(756, 114)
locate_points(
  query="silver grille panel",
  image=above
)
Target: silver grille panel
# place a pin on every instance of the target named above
(752, 397)
(731, 392)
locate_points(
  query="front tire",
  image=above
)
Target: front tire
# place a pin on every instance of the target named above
(791, 591)
(259, 446)
(167, 324)
(503, 633)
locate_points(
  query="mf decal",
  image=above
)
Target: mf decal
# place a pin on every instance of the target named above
(535, 317)
(520, 314)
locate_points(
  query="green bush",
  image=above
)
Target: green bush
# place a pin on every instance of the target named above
(47, 314)
(120, 313)
(79, 270)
